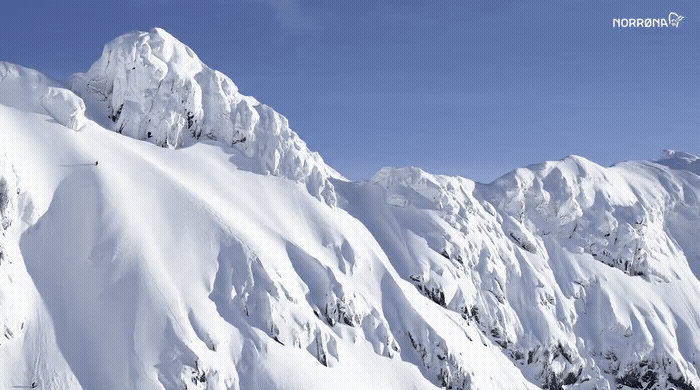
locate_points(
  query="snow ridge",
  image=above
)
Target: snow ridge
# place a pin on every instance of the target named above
(680, 160)
(155, 88)
(565, 265)
(40, 94)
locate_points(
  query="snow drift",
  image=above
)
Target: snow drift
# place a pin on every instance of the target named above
(30, 90)
(203, 259)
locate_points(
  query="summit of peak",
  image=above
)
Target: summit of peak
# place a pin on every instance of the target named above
(155, 47)
(680, 160)
(667, 154)
(153, 87)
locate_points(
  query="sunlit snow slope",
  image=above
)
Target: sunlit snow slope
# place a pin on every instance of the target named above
(223, 254)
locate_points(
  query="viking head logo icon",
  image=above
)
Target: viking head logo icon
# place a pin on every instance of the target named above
(674, 19)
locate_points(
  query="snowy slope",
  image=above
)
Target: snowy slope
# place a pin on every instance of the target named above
(31, 91)
(234, 258)
(158, 268)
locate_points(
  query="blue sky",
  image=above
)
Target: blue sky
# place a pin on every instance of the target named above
(474, 88)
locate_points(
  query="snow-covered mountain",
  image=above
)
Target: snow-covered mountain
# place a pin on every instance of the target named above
(224, 254)
(153, 87)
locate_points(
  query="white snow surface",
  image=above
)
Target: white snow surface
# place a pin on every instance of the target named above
(680, 160)
(30, 90)
(211, 263)
(155, 88)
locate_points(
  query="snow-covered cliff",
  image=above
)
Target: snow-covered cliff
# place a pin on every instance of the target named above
(584, 275)
(155, 88)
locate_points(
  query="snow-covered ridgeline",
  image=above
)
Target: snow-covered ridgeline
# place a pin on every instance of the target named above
(155, 88)
(40, 94)
(574, 269)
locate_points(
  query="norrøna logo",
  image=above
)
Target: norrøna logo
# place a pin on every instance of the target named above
(673, 21)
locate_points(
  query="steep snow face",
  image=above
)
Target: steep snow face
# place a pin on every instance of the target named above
(582, 274)
(155, 88)
(20, 305)
(13, 310)
(151, 271)
(468, 258)
(635, 218)
(624, 216)
(8, 189)
(29, 90)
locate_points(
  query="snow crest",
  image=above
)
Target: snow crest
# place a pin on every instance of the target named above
(155, 88)
(568, 266)
(27, 89)
(680, 160)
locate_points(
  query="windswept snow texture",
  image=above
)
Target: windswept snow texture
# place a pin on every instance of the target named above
(153, 87)
(582, 274)
(30, 90)
(680, 160)
(215, 265)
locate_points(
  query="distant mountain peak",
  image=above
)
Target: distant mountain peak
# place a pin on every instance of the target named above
(673, 154)
(680, 160)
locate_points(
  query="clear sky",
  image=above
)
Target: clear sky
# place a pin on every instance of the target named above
(474, 88)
